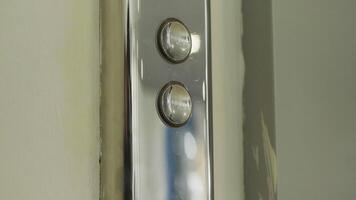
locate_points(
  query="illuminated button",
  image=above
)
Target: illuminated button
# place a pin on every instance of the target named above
(174, 40)
(174, 104)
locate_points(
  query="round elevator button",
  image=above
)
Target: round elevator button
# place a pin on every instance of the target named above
(174, 40)
(174, 104)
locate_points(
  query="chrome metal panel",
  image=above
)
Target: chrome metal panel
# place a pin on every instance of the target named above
(164, 162)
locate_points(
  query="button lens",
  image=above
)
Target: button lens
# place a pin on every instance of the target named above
(175, 104)
(175, 41)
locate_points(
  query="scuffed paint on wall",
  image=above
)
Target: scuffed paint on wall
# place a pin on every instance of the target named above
(256, 156)
(265, 159)
(262, 159)
(270, 160)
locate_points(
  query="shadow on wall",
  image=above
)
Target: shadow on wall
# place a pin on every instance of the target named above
(260, 177)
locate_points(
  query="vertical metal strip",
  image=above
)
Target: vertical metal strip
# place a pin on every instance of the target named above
(154, 152)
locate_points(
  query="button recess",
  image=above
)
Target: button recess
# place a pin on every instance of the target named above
(174, 40)
(174, 104)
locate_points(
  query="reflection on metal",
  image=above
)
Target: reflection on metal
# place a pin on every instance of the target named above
(195, 43)
(174, 104)
(174, 40)
(164, 162)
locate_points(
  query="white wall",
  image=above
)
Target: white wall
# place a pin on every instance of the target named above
(315, 69)
(49, 85)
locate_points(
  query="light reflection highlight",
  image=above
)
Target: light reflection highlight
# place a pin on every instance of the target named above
(196, 43)
(190, 146)
(196, 186)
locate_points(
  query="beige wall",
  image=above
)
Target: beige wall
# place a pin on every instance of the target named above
(49, 84)
(228, 76)
(315, 68)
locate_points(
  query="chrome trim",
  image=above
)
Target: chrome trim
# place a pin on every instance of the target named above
(155, 168)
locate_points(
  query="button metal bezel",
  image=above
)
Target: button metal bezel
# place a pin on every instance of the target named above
(161, 49)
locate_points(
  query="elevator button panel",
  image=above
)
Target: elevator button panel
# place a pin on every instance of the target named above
(168, 135)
